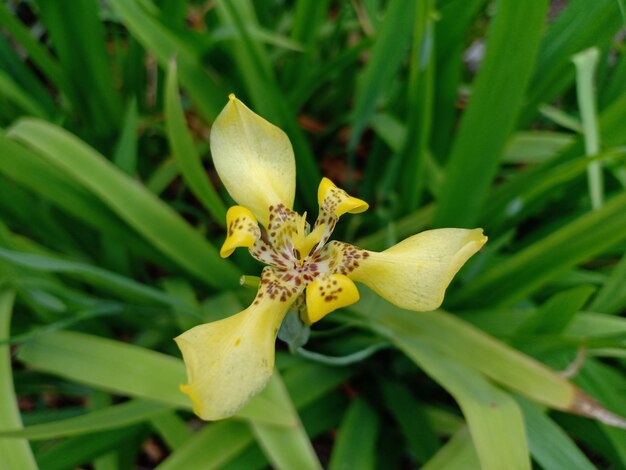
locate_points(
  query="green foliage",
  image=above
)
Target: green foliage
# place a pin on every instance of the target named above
(439, 113)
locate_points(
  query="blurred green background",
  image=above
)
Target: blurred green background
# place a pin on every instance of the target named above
(505, 115)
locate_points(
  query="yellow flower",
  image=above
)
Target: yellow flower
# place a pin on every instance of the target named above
(231, 360)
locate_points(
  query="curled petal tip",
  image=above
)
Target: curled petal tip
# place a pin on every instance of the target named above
(327, 294)
(243, 230)
(336, 201)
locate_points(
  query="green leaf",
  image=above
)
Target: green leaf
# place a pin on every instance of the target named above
(493, 417)
(586, 63)
(172, 429)
(486, 124)
(78, 37)
(456, 339)
(79, 450)
(554, 315)
(104, 419)
(35, 50)
(111, 282)
(125, 154)
(457, 454)
(128, 370)
(389, 49)
(14, 453)
(109, 365)
(529, 269)
(581, 25)
(185, 151)
(611, 298)
(207, 94)
(451, 33)
(286, 447)
(413, 420)
(356, 439)
(210, 448)
(549, 444)
(535, 146)
(150, 216)
(27, 168)
(420, 91)
(17, 95)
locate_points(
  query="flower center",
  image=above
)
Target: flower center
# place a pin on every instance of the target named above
(303, 240)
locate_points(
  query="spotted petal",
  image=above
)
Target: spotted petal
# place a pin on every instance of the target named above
(230, 360)
(254, 159)
(328, 293)
(333, 203)
(415, 273)
(243, 230)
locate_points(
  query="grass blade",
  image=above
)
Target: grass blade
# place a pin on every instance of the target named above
(10, 90)
(582, 25)
(207, 94)
(529, 269)
(493, 417)
(549, 444)
(420, 109)
(612, 296)
(457, 454)
(388, 51)
(486, 125)
(185, 151)
(14, 453)
(84, 61)
(286, 447)
(112, 417)
(586, 63)
(128, 370)
(113, 366)
(37, 53)
(356, 439)
(77, 451)
(210, 448)
(125, 154)
(130, 200)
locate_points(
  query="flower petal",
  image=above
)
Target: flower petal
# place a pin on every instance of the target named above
(335, 201)
(254, 159)
(328, 293)
(243, 230)
(415, 273)
(230, 360)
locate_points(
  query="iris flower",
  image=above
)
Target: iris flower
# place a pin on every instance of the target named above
(230, 360)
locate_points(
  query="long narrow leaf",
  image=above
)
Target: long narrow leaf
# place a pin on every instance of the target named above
(156, 221)
(113, 417)
(529, 269)
(286, 447)
(515, 32)
(185, 151)
(14, 453)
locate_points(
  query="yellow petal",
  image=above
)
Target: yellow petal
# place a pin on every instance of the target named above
(415, 273)
(243, 230)
(336, 202)
(254, 159)
(328, 293)
(230, 360)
